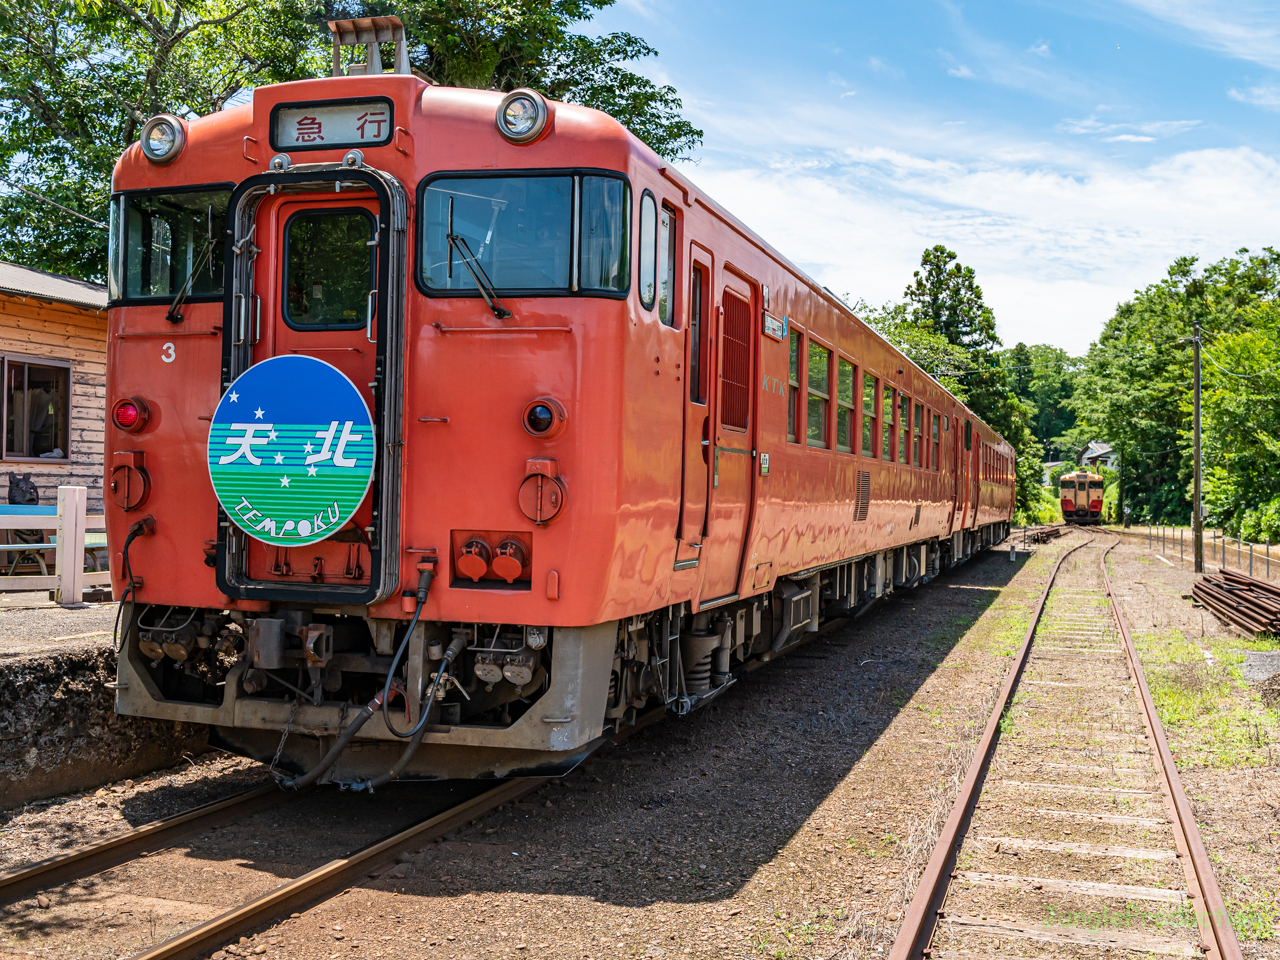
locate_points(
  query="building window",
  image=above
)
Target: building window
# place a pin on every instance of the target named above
(667, 267)
(37, 399)
(793, 386)
(886, 424)
(870, 394)
(904, 428)
(934, 456)
(819, 394)
(844, 410)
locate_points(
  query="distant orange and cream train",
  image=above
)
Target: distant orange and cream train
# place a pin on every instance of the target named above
(451, 431)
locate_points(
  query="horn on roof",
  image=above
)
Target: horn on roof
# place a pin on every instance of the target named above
(369, 31)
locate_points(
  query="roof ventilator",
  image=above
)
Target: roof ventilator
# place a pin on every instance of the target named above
(369, 31)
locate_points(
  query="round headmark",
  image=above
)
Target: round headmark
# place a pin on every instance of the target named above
(291, 450)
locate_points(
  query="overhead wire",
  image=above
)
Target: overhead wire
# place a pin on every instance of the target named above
(74, 213)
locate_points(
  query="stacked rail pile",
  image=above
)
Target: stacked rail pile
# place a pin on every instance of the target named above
(1045, 534)
(1251, 604)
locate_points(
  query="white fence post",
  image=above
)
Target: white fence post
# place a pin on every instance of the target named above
(69, 563)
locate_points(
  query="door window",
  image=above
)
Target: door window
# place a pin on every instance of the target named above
(696, 301)
(935, 442)
(793, 385)
(648, 250)
(917, 434)
(904, 427)
(667, 267)
(735, 374)
(330, 257)
(886, 425)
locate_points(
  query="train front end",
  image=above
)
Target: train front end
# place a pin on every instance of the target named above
(365, 335)
(1081, 497)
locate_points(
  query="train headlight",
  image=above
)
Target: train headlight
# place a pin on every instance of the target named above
(162, 138)
(522, 115)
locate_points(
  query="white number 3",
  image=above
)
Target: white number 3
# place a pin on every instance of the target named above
(167, 354)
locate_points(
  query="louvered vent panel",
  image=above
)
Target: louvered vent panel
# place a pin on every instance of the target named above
(864, 496)
(735, 377)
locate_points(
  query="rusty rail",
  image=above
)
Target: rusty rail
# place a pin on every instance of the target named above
(922, 913)
(131, 844)
(1211, 912)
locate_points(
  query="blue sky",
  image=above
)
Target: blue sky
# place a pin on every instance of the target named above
(1068, 151)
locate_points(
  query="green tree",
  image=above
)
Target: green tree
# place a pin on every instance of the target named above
(944, 297)
(77, 82)
(1044, 378)
(931, 352)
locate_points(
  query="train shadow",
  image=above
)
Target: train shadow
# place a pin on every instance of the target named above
(689, 810)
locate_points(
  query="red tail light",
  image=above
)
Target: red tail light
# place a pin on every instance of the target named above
(130, 414)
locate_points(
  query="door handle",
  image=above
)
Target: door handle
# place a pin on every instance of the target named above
(239, 334)
(368, 323)
(257, 319)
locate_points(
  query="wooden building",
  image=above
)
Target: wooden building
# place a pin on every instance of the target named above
(53, 355)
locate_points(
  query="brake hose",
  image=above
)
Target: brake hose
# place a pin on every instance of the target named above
(141, 528)
(419, 731)
(426, 573)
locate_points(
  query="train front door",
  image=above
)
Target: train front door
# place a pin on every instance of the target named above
(314, 324)
(730, 446)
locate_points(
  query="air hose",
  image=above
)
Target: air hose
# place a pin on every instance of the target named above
(451, 654)
(426, 573)
(330, 758)
(141, 528)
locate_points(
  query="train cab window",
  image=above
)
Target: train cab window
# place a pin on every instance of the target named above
(329, 268)
(917, 436)
(904, 428)
(605, 227)
(886, 423)
(933, 456)
(666, 266)
(870, 396)
(819, 401)
(648, 257)
(697, 308)
(793, 385)
(844, 407)
(168, 239)
(515, 230)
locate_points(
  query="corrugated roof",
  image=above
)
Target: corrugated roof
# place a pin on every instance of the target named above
(25, 282)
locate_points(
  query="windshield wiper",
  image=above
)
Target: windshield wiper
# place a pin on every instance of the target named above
(174, 314)
(481, 279)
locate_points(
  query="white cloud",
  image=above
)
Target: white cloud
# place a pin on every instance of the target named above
(1151, 130)
(1128, 138)
(961, 71)
(1266, 97)
(1244, 29)
(1058, 237)
(1040, 49)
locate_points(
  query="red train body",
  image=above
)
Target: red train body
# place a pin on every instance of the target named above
(673, 457)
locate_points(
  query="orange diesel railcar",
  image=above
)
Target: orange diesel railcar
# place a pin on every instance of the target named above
(460, 429)
(1081, 496)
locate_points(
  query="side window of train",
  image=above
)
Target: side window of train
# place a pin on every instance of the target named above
(886, 423)
(968, 434)
(917, 437)
(934, 444)
(870, 395)
(648, 258)
(793, 385)
(844, 406)
(667, 266)
(904, 428)
(819, 399)
(697, 323)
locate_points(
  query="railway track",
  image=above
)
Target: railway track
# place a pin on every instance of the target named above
(1071, 835)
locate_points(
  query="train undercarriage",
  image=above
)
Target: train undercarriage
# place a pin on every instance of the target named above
(518, 700)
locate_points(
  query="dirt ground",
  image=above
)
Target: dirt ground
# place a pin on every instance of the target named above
(790, 819)
(1224, 737)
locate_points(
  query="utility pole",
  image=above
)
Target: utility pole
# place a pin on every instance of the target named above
(1197, 518)
(1121, 505)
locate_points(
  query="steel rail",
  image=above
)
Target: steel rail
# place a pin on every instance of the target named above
(131, 844)
(922, 913)
(313, 886)
(1220, 942)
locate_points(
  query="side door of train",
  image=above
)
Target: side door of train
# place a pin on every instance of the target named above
(700, 337)
(319, 272)
(731, 444)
